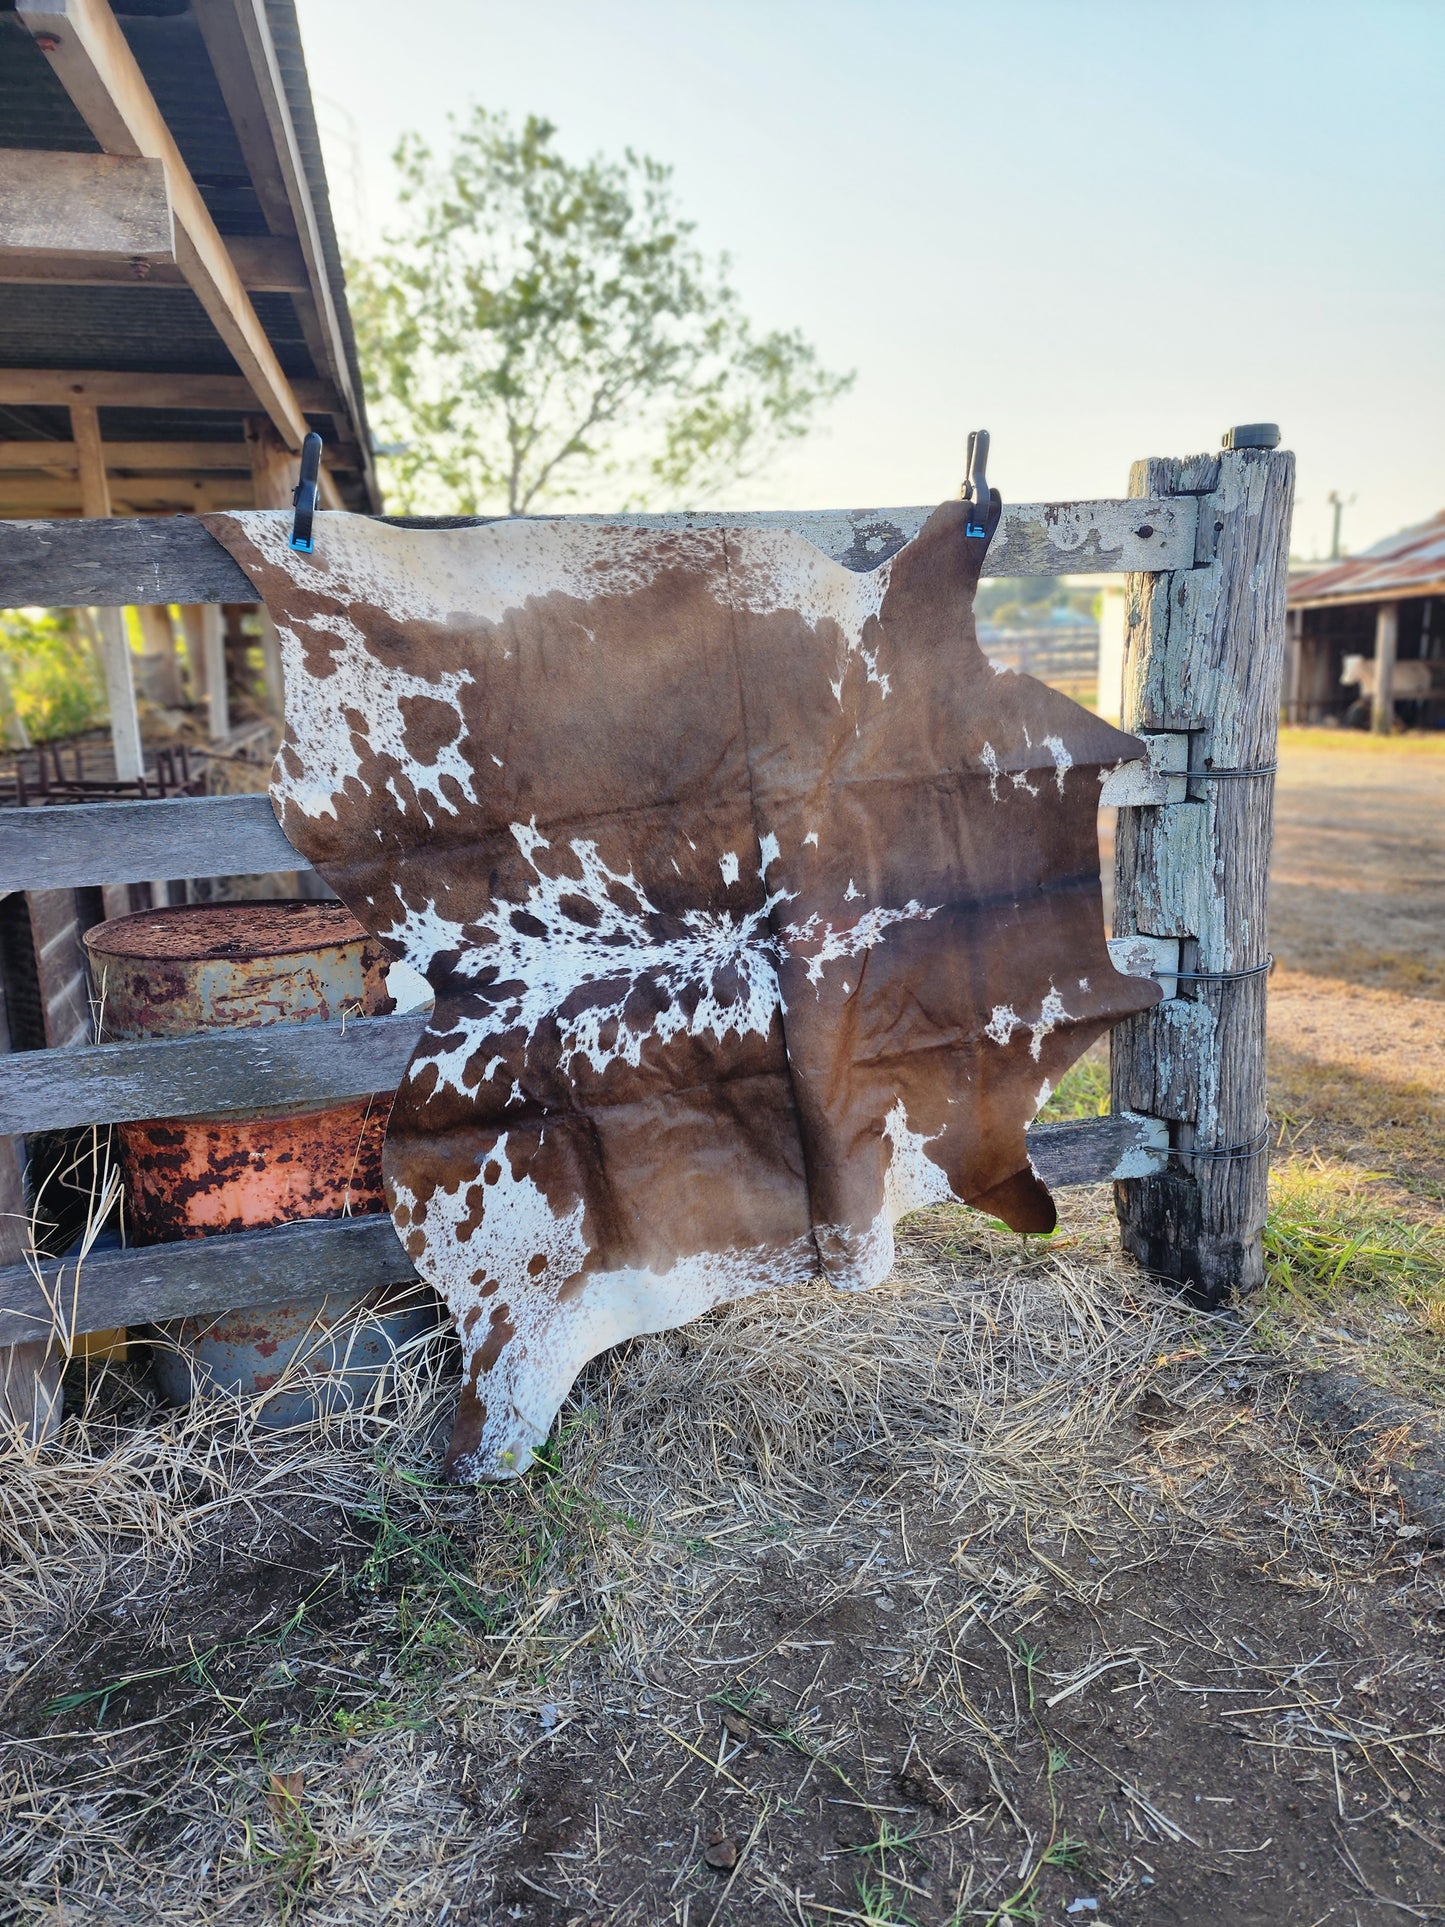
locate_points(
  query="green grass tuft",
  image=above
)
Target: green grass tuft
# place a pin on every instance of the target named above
(1083, 1091)
(1338, 1250)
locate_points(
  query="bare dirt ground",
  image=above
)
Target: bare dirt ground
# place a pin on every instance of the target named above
(1009, 1588)
(1357, 891)
(1357, 925)
(1012, 1592)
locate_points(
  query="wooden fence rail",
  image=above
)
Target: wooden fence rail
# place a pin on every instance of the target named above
(205, 1276)
(141, 560)
(160, 841)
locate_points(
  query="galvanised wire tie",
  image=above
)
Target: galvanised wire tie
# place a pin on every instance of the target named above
(1217, 976)
(1236, 1153)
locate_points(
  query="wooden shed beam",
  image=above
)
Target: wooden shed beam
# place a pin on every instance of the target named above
(266, 263)
(112, 388)
(170, 458)
(90, 459)
(151, 494)
(91, 58)
(82, 208)
(237, 34)
(272, 470)
(222, 32)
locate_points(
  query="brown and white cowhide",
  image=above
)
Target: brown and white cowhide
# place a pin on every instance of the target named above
(759, 908)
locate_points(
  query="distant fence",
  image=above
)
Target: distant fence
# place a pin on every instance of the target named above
(1063, 654)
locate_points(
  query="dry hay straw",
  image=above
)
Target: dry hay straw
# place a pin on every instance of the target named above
(130, 1489)
(1000, 1361)
(992, 1369)
(997, 1361)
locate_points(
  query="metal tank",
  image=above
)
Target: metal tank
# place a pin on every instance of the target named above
(172, 972)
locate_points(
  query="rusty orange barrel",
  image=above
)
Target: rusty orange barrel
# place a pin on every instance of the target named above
(172, 972)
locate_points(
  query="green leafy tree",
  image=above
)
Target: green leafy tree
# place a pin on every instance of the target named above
(49, 676)
(540, 328)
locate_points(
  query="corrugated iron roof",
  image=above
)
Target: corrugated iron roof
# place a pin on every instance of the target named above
(141, 329)
(1411, 563)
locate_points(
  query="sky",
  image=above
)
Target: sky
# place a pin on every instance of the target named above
(1101, 229)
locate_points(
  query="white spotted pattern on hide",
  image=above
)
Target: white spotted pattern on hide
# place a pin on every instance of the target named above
(743, 890)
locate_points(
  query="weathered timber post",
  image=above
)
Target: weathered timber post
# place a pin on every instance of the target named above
(109, 623)
(206, 655)
(160, 655)
(273, 477)
(1203, 666)
(1387, 639)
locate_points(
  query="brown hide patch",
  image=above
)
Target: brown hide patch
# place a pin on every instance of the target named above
(758, 909)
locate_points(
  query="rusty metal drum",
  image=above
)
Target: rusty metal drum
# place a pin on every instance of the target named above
(172, 972)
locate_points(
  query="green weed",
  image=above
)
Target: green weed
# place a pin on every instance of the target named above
(294, 1863)
(1060, 1849)
(1329, 1240)
(1083, 1092)
(882, 1904)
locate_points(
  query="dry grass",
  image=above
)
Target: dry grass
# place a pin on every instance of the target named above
(285, 1677)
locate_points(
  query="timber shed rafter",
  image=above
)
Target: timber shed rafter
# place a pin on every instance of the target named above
(167, 257)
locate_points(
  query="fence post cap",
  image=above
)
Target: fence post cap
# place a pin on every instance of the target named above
(1252, 435)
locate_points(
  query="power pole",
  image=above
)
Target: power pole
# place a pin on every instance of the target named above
(1339, 506)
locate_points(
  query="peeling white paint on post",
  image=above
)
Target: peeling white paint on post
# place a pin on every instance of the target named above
(1156, 957)
(1204, 661)
(1158, 778)
(1178, 895)
(1147, 1155)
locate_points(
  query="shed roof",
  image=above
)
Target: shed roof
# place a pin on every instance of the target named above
(1411, 563)
(229, 80)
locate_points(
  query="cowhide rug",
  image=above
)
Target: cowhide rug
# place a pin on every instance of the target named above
(759, 908)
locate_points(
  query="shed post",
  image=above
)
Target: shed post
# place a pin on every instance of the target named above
(110, 623)
(273, 477)
(1387, 637)
(1294, 667)
(1204, 661)
(206, 653)
(160, 655)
